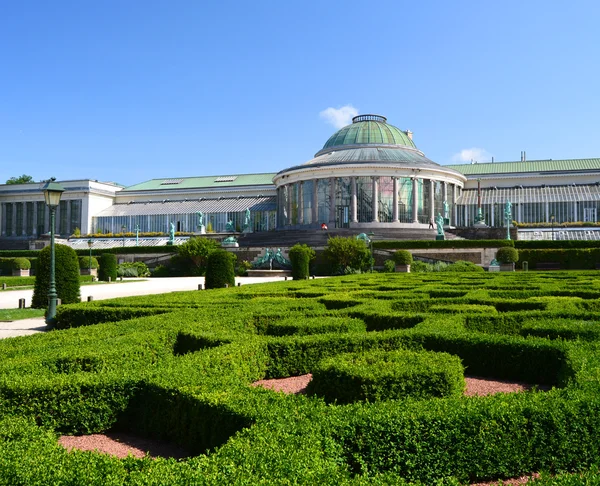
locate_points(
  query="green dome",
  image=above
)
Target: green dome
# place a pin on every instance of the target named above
(369, 129)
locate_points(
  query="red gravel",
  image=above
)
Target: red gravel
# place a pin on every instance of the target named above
(121, 445)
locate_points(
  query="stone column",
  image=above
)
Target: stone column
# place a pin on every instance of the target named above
(415, 202)
(24, 232)
(547, 209)
(300, 203)
(315, 202)
(454, 208)
(34, 218)
(332, 202)
(46, 219)
(375, 199)
(466, 216)
(492, 215)
(3, 220)
(395, 202)
(432, 199)
(354, 205)
(14, 219)
(290, 192)
(69, 229)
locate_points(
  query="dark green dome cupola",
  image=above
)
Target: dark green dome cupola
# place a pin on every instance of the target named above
(369, 130)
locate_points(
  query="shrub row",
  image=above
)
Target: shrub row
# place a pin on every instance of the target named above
(423, 244)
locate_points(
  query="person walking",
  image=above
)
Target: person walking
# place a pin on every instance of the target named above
(431, 223)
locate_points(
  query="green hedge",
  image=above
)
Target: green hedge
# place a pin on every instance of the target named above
(380, 375)
(185, 376)
(301, 256)
(424, 244)
(569, 259)
(556, 244)
(108, 267)
(66, 277)
(220, 270)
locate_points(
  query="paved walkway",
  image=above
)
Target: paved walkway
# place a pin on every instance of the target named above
(9, 299)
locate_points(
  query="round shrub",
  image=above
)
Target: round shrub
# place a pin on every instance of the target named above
(21, 264)
(464, 266)
(84, 262)
(220, 270)
(403, 257)
(108, 267)
(381, 375)
(389, 266)
(66, 277)
(301, 256)
(507, 254)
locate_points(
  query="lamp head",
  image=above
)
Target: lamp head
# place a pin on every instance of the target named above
(90, 243)
(52, 192)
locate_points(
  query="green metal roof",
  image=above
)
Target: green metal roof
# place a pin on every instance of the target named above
(550, 165)
(204, 182)
(369, 129)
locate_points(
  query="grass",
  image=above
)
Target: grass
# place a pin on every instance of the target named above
(18, 314)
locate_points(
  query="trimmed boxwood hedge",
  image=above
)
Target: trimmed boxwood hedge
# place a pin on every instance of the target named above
(423, 244)
(386, 375)
(185, 375)
(66, 277)
(108, 267)
(220, 270)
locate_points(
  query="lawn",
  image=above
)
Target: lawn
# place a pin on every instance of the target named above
(17, 314)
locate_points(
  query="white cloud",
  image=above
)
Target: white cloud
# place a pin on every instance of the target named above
(339, 117)
(472, 154)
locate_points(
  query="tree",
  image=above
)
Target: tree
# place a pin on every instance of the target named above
(197, 251)
(24, 179)
(346, 254)
(66, 277)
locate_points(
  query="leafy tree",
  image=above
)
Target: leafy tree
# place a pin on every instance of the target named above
(197, 250)
(348, 254)
(66, 271)
(24, 179)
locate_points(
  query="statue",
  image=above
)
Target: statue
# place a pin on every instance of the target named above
(246, 226)
(508, 217)
(201, 222)
(281, 260)
(229, 226)
(171, 234)
(439, 222)
(446, 210)
(508, 212)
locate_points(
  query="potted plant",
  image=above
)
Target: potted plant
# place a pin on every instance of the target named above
(507, 256)
(403, 259)
(21, 267)
(88, 266)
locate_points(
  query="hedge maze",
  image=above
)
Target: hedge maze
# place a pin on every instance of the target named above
(388, 353)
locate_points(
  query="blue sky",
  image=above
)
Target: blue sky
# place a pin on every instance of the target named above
(130, 90)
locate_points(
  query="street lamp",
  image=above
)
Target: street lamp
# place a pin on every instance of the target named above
(90, 244)
(552, 221)
(52, 193)
(123, 228)
(371, 234)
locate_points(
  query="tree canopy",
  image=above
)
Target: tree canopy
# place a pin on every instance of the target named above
(24, 179)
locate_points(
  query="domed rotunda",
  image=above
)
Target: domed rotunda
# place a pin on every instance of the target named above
(369, 174)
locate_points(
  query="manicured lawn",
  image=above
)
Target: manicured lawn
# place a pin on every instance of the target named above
(17, 314)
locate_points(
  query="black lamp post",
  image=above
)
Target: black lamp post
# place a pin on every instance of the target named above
(123, 228)
(371, 234)
(52, 193)
(552, 221)
(90, 244)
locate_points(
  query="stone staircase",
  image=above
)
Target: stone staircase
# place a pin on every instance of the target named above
(318, 237)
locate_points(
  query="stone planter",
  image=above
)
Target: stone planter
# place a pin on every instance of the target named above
(507, 267)
(21, 272)
(86, 271)
(403, 268)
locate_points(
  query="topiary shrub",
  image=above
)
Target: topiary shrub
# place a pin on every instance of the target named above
(220, 270)
(84, 262)
(108, 267)
(21, 264)
(194, 254)
(507, 254)
(66, 277)
(301, 256)
(402, 257)
(348, 255)
(389, 266)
